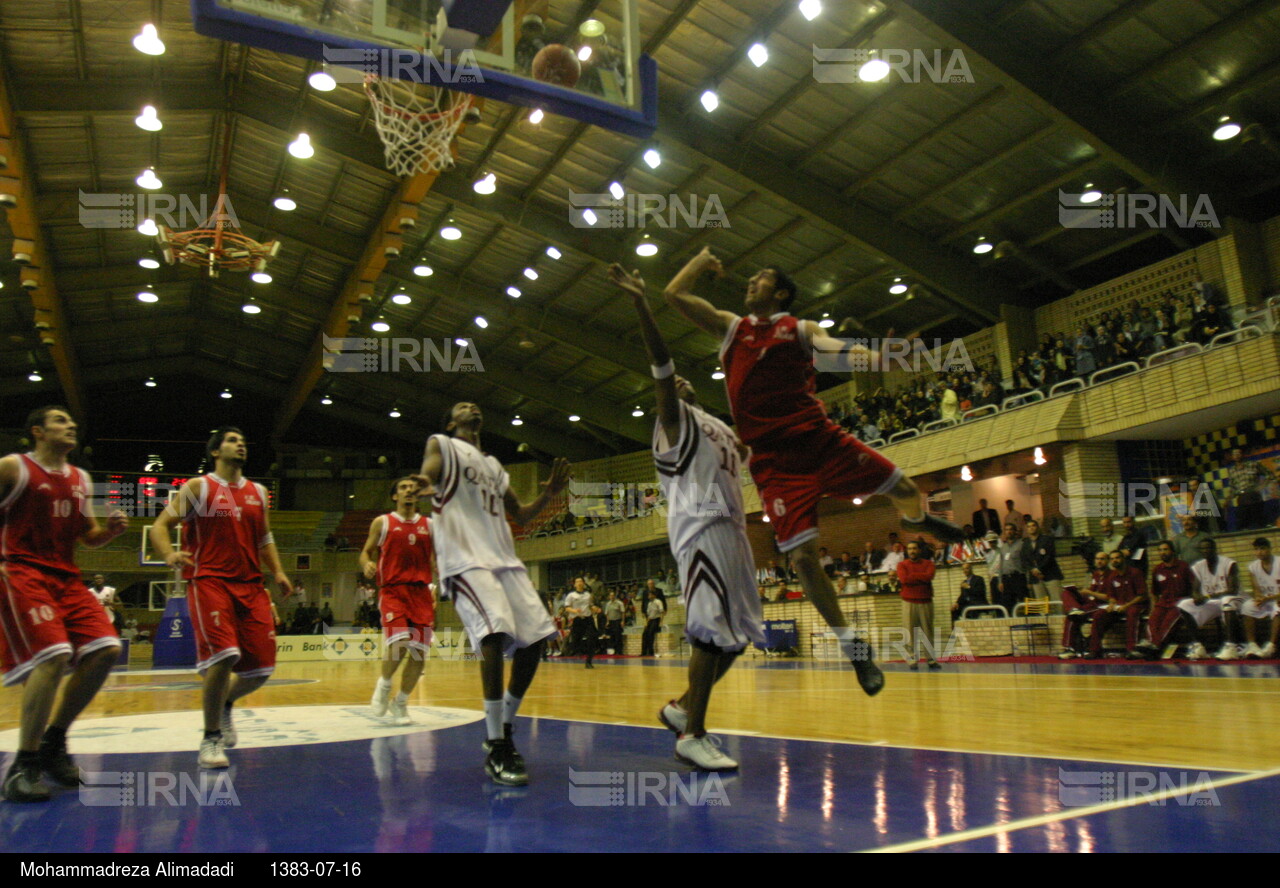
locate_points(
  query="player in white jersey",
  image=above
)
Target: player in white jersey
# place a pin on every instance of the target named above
(698, 459)
(1218, 598)
(480, 573)
(1264, 574)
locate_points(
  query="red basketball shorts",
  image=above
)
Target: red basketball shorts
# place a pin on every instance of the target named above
(798, 472)
(44, 615)
(232, 620)
(408, 614)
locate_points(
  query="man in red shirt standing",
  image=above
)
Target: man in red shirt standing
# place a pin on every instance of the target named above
(226, 535)
(1127, 594)
(915, 575)
(398, 555)
(48, 618)
(799, 456)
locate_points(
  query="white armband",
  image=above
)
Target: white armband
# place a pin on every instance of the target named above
(267, 540)
(664, 372)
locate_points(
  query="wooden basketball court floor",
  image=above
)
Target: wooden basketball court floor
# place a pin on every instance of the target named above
(1009, 757)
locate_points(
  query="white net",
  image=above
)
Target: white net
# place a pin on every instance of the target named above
(417, 123)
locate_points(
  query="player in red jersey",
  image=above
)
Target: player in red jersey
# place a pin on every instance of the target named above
(799, 455)
(226, 535)
(48, 618)
(398, 555)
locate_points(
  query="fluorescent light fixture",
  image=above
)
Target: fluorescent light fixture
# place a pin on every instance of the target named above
(322, 80)
(301, 147)
(710, 101)
(653, 158)
(530, 274)
(481, 322)
(759, 54)
(589, 216)
(615, 188)
(535, 116)
(513, 292)
(461, 343)
(148, 119)
(148, 41)
(554, 253)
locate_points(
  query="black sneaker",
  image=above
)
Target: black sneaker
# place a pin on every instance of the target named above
(938, 527)
(507, 731)
(864, 663)
(504, 765)
(55, 762)
(22, 784)
(935, 665)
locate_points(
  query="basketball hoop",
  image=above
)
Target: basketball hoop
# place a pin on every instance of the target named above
(416, 128)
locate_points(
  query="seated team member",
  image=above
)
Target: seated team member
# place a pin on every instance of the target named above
(1264, 575)
(1171, 582)
(1219, 599)
(973, 592)
(1127, 591)
(1081, 606)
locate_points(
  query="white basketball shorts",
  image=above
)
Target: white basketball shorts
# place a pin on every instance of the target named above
(499, 601)
(722, 606)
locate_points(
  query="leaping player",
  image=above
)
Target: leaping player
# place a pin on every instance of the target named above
(227, 535)
(798, 455)
(698, 459)
(480, 573)
(49, 620)
(397, 555)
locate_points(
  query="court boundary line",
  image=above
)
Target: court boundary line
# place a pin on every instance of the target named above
(983, 832)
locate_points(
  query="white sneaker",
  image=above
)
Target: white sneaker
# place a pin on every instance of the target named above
(381, 700)
(228, 727)
(1252, 651)
(703, 752)
(675, 718)
(1267, 651)
(400, 713)
(213, 754)
(1068, 654)
(1197, 651)
(1227, 652)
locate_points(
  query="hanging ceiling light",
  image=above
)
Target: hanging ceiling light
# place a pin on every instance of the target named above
(451, 232)
(1226, 129)
(260, 277)
(1039, 457)
(1090, 194)
(857, 500)
(461, 342)
(646, 247)
(326, 400)
(284, 202)
(535, 116)
(718, 374)
(147, 295)
(251, 308)
(516, 420)
(591, 28)
(652, 158)
(322, 80)
(402, 299)
(301, 147)
(395, 413)
(983, 246)
(35, 376)
(481, 322)
(380, 326)
(589, 216)
(151, 382)
(149, 179)
(573, 417)
(148, 227)
(148, 262)
(486, 184)
(615, 188)
(530, 274)
(148, 120)
(965, 474)
(898, 287)
(148, 41)
(759, 54)
(810, 9)
(874, 70)
(554, 253)
(423, 271)
(826, 323)
(710, 101)
(584, 53)
(513, 292)
(637, 413)
(226, 394)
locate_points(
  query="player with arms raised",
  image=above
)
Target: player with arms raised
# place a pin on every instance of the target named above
(799, 455)
(698, 460)
(48, 618)
(225, 538)
(480, 573)
(397, 555)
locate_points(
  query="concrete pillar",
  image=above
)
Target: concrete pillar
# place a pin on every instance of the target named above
(1090, 488)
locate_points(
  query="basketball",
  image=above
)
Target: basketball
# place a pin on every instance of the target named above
(555, 63)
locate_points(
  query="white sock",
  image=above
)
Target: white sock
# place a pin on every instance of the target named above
(844, 633)
(384, 684)
(402, 697)
(493, 718)
(510, 706)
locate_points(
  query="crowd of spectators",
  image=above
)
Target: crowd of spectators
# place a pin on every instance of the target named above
(619, 605)
(1106, 340)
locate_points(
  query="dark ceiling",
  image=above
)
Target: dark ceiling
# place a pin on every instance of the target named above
(848, 185)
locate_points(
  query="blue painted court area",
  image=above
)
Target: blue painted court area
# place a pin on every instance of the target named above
(426, 791)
